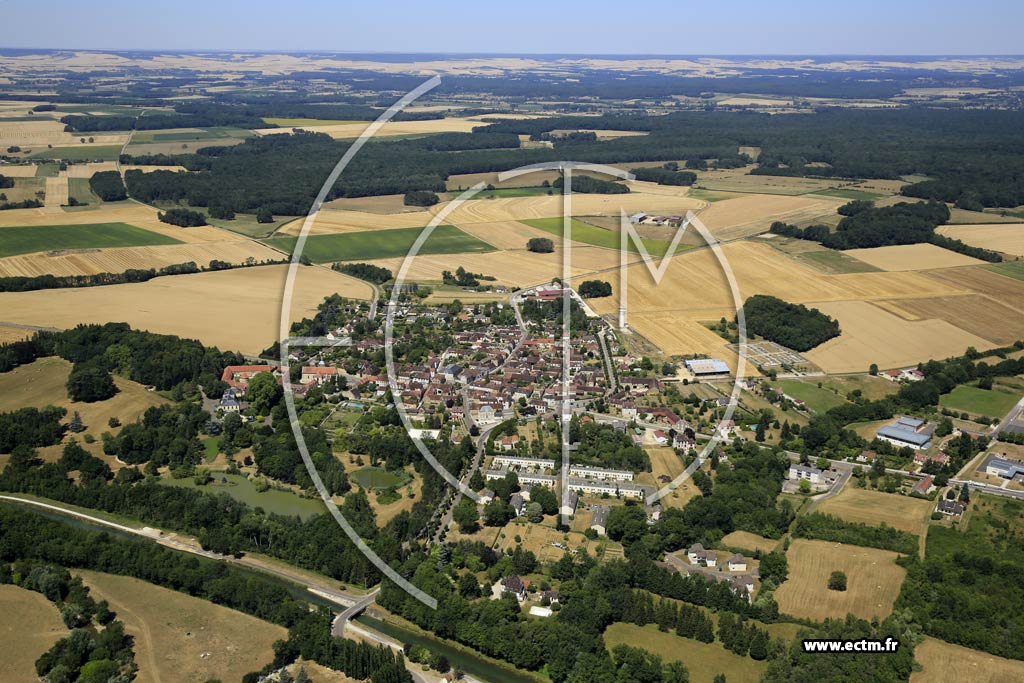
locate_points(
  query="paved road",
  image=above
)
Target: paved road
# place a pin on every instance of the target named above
(338, 625)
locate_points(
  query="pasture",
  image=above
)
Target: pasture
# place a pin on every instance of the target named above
(941, 661)
(81, 153)
(873, 581)
(704, 660)
(28, 239)
(42, 383)
(375, 244)
(990, 402)
(1006, 237)
(912, 257)
(874, 508)
(182, 638)
(232, 309)
(29, 626)
(818, 399)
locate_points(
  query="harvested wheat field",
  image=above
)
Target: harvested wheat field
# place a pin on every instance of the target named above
(748, 541)
(912, 257)
(983, 281)
(354, 130)
(331, 221)
(383, 204)
(874, 508)
(51, 132)
(10, 334)
(872, 335)
(28, 171)
(1000, 323)
(42, 383)
(92, 261)
(546, 206)
(729, 180)
(234, 309)
(873, 581)
(744, 216)
(88, 170)
(29, 626)
(182, 638)
(1005, 237)
(941, 662)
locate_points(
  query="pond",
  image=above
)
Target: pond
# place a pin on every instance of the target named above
(242, 489)
(378, 478)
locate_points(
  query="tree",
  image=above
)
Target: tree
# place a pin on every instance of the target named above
(263, 215)
(591, 289)
(498, 513)
(465, 515)
(759, 645)
(805, 486)
(774, 567)
(263, 392)
(873, 370)
(76, 423)
(476, 481)
(540, 245)
(420, 198)
(837, 581)
(90, 383)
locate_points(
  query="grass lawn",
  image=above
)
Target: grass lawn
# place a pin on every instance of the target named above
(1014, 269)
(378, 478)
(838, 262)
(818, 399)
(704, 660)
(375, 244)
(211, 447)
(849, 194)
(25, 240)
(81, 153)
(599, 237)
(979, 401)
(241, 489)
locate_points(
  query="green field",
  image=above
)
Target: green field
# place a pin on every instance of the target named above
(26, 240)
(241, 489)
(378, 478)
(289, 123)
(82, 153)
(47, 170)
(818, 399)
(507, 192)
(375, 244)
(704, 660)
(979, 401)
(837, 262)
(190, 135)
(849, 194)
(80, 190)
(599, 237)
(1014, 269)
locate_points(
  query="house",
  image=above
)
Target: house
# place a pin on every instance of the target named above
(599, 520)
(924, 458)
(696, 554)
(515, 586)
(550, 596)
(867, 456)
(924, 486)
(509, 442)
(238, 376)
(317, 375)
(229, 401)
(950, 507)
(569, 503)
(811, 474)
(518, 503)
(711, 558)
(486, 496)
(742, 586)
(737, 563)
(660, 437)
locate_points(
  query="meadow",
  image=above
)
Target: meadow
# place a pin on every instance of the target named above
(599, 237)
(29, 625)
(81, 153)
(977, 401)
(818, 399)
(748, 541)
(704, 660)
(28, 239)
(376, 244)
(874, 508)
(182, 638)
(942, 661)
(873, 581)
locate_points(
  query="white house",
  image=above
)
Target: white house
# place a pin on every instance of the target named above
(737, 563)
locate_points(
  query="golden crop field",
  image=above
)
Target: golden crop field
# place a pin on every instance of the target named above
(233, 309)
(941, 662)
(383, 204)
(981, 280)
(29, 626)
(354, 130)
(27, 171)
(912, 257)
(873, 581)
(749, 541)
(117, 260)
(182, 638)
(748, 215)
(874, 508)
(730, 181)
(998, 322)
(38, 134)
(873, 335)
(42, 383)
(1004, 237)
(90, 169)
(9, 334)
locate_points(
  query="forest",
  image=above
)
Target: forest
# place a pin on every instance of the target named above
(108, 186)
(792, 325)
(364, 271)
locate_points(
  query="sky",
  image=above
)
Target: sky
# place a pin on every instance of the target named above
(682, 27)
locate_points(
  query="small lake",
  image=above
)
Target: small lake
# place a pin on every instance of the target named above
(241, 489)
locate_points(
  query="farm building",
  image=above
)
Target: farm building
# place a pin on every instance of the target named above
(908, 431)
(707, 367)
